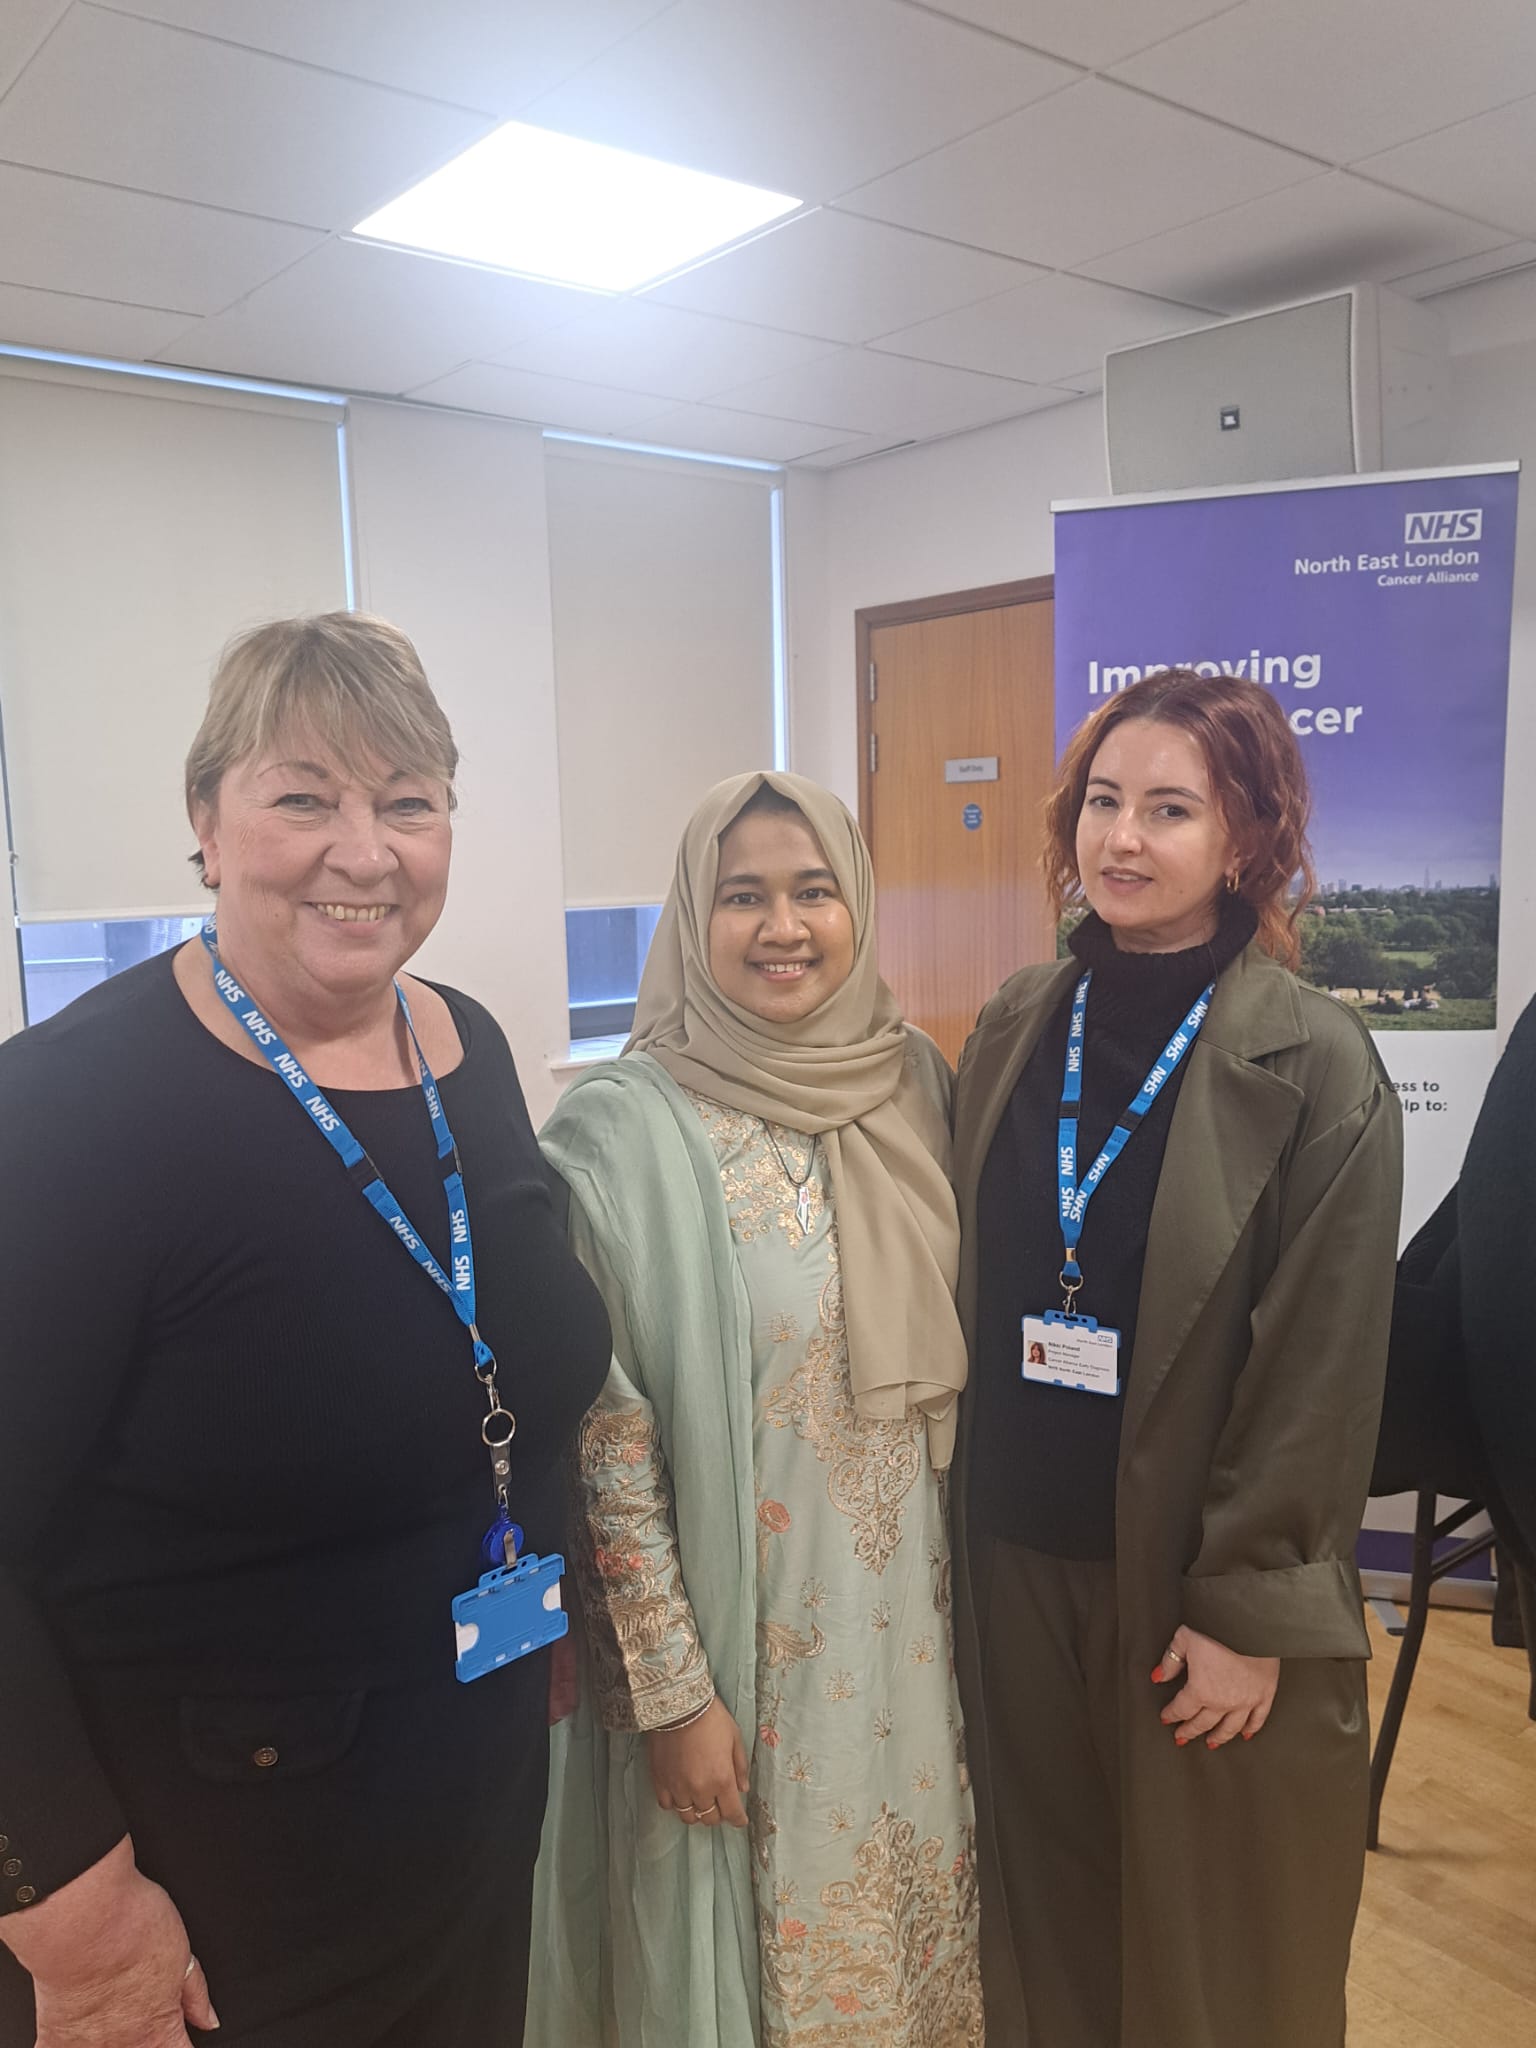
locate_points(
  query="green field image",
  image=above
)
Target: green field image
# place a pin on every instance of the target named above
(1405, 959)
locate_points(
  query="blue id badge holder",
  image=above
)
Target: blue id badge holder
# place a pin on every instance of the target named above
(514, 1611)
(1063, 1350)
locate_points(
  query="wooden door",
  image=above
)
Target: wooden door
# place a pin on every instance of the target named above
(957, 864)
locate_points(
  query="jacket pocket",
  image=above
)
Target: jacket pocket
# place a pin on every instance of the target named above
(252, 1740)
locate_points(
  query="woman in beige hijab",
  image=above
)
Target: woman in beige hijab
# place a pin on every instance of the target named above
(760, 1826)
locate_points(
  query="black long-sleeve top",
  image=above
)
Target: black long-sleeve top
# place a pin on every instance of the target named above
(1045, 1457)
(239, 1428)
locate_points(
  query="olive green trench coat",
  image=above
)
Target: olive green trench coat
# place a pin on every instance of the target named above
(1251, 1414)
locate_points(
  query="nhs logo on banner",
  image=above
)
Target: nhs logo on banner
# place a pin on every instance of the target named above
(1442, 526)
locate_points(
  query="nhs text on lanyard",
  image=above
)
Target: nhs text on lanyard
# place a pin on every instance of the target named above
(515, 1608)
(1061, 1348)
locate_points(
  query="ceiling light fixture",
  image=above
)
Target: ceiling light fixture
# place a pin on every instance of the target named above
(571, 212)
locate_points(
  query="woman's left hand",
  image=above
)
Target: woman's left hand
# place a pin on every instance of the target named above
(1223, 1694)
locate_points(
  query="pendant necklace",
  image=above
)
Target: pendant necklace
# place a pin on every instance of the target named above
(800, 1186)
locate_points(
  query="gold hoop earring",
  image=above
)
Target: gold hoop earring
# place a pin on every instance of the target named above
(1234, 882)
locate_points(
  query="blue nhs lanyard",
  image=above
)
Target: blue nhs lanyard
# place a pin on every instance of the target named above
(460, 1289)
(1074, 1195)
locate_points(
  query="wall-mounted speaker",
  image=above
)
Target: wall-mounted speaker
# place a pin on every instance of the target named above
(1347, 382)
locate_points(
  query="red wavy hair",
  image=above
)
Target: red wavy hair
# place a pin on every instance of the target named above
(1258, 780)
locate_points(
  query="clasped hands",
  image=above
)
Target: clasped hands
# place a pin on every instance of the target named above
(1223, 1694)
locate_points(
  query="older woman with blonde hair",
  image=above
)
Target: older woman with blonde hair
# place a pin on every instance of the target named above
(290, 1344)
(1178, 1171)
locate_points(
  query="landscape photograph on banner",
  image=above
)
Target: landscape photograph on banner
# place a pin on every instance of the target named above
(1377, 610)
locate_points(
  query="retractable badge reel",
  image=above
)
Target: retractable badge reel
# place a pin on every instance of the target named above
(515, 1608)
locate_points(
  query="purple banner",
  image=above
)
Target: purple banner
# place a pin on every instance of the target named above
(1378, 611)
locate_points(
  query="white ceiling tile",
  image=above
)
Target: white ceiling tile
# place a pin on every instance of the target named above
(1091, 32)
(1042, 331)
(88, 327)
(715, 430)
(1334, 230)
(864, 393)
(1086, 171)
(492, 54)
(1342, 78)
(1490, 315)
(1486, 167)
(547, 401)
(1445, 277)
(836, 275)
(358, 317)
(128, 102)
(23, 25)
(805, 97)
(636, 345)
(65, 236)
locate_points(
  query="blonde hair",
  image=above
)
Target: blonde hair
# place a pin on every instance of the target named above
(352, 683)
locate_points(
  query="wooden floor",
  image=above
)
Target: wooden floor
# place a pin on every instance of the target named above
(1445, 1948)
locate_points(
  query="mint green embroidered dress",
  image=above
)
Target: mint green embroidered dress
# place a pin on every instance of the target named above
(847, 1917)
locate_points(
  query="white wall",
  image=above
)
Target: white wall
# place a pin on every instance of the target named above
(452, 546)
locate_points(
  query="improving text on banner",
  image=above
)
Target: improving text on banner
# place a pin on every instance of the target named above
(1378, 611)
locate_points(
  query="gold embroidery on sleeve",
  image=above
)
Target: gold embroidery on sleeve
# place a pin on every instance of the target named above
(648, 1666)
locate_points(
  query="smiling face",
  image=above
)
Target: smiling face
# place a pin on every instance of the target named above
(329, 875)
(781, 938)
(1153, 850)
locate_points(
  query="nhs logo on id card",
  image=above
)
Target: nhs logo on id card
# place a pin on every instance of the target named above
(1443, 526)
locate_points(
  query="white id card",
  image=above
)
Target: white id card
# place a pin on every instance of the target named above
(1071, 1351)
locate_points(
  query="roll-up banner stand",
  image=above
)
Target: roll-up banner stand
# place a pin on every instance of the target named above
(1377, 608)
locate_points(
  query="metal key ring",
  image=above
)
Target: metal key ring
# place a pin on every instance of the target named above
(498, 1438)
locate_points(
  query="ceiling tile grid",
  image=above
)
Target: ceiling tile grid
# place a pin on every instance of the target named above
(357, 316)
(1331, 231)
(635, 344)
(492, 55)
(1044, 331)
(806, 97)
(1088, 32)
(1093, 168)
(997, 192)
(1341, 79)
(250, 133)
(61, 234)
(1486, 166)
(833, 274)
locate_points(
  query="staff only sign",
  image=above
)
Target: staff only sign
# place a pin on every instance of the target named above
(1377, 609)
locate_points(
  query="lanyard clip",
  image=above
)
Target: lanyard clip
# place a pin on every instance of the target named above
(1070, 1288)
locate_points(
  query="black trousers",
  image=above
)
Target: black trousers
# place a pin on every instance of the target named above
(1049, 1639)
(371, 1888)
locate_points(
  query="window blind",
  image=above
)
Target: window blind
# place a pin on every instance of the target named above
(662, 591)
(142, 524)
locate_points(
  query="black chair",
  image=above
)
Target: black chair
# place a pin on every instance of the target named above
(1427, 1570)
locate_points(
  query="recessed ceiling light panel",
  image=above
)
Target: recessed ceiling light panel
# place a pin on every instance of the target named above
(572, 212)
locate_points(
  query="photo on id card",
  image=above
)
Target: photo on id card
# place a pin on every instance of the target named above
(1073, 1352)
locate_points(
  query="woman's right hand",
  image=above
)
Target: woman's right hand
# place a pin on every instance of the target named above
(110, 1962)
(700, 1771)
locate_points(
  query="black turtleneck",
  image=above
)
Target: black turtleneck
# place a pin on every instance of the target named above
(1044, 1458)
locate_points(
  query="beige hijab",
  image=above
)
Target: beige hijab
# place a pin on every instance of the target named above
(845, 1073)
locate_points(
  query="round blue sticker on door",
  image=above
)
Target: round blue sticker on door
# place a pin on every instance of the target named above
(971, 817)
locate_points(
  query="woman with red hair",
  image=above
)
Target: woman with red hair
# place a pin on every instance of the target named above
(1179, 1174)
